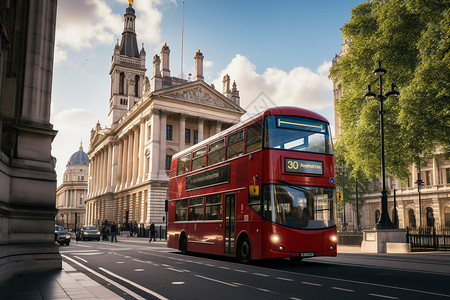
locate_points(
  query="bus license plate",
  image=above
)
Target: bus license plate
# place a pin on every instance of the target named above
(307, 254)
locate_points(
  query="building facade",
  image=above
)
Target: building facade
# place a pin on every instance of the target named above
(27, 168)
(426, 206)
(72, 193)
(150, 120)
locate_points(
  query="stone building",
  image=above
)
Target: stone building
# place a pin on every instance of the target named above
(27, 168)
(71, 194)
(150, 120)
(429, 208)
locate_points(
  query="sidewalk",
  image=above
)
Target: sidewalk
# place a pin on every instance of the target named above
(67, 283)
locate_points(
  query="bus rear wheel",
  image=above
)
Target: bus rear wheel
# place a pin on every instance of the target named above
(244, 250)
(183, 244)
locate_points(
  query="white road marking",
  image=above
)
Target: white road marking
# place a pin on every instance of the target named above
(225, 268)
(117, 285)
(311, 283)
(342, 289)
(155, 294)
(139, 270)
(120, 262)
(259, 274)
(176, 270)
(242, 271)
(285, 279)
(293, 298)
(383, 296)
(215, 280)
(81, 259)
(177, 282)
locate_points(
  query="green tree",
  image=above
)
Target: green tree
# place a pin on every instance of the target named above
(410, 37)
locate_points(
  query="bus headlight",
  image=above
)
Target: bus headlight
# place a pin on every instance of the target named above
(333, 238)
(275, 238)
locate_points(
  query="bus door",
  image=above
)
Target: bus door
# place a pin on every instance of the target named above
(230, 223)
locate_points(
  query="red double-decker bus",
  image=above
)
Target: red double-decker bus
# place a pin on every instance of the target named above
(263, 188)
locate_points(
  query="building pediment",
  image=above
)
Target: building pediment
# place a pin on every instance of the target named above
(200, 93)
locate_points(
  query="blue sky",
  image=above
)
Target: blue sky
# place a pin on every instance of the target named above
(279, 49)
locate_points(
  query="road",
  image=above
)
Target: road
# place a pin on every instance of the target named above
(135, 269)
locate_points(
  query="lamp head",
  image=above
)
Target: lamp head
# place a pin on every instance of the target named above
(393, 93)
(369, 94)
(379, 71)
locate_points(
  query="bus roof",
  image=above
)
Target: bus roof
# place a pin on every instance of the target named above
(279, 110)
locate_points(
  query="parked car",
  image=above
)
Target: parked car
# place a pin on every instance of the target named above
(61, 235)
(89, 233)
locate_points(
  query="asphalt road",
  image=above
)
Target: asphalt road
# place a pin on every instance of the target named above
(135, 269)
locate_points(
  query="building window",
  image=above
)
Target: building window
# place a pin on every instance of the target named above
(428, 176)
(136, 86)
(82, 178)
(169, 131)
(168, 161)
(121, 83)
(187, 136)
(412, 218)
(447, 172)
(196, 139)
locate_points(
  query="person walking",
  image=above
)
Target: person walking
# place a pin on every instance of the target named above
(152, 232)
(113, 232)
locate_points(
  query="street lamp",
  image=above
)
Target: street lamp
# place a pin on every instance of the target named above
(384, 222)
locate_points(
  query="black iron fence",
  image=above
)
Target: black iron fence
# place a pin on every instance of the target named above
(350, 237)
(428, 238)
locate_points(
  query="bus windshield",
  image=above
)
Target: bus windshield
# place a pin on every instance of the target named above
(301, 207)
(298, 134)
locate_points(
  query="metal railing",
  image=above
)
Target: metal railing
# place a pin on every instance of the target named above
(428, 238)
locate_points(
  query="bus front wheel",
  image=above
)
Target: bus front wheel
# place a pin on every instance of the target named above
(183, 244)
(244, 250)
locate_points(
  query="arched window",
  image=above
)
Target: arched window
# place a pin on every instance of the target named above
(430, 217)
(136, 86)
(121, 83)
(377, 215)
(412, 218)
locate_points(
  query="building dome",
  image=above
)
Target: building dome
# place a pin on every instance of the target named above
(79, 158)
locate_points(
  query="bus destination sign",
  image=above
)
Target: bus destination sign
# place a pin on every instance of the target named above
(293, 165)
(207, 178)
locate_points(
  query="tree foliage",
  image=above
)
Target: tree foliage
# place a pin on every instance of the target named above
(411, 38)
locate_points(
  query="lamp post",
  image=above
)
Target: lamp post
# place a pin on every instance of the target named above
(384, 222)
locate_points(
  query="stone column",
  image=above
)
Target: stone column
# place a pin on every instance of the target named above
(130, 159)
(119, 166)
(201, 122)
(162, 144)
(141, 151)
(218, 126)
(135, 155)
(182, 133)
(115, 166)
(154, 148)
(109, 167)
(124, 162)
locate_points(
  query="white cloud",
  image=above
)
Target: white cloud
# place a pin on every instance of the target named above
(73, 125)
(85, 23)
(299, 87)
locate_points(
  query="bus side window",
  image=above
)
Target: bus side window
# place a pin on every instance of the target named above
(181, 210)
(235, 144)
(216, 152)
(254, 137)
(213, 207)
(196, 209)
(199, 159)
(184, 164)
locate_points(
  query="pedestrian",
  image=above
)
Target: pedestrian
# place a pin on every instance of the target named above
(113, 232)
(152, 232)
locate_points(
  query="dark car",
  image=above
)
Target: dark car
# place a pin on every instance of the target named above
(61, 235)
(89, 233)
